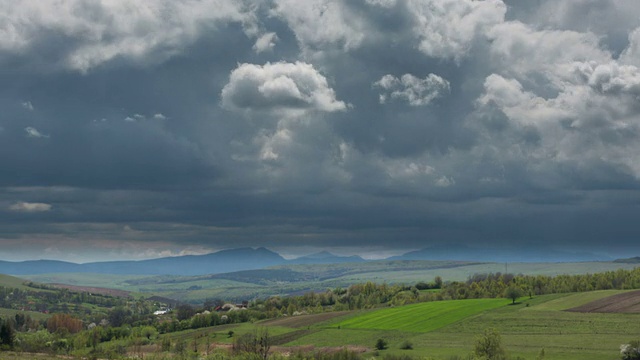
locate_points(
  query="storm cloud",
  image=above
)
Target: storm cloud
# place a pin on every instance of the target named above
(135, 130)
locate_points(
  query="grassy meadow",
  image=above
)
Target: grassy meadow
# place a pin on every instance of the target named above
(444, 329)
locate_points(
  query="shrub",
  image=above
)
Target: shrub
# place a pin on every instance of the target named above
(406, 345)
(489, 346)
(630, 351)
(381, 344)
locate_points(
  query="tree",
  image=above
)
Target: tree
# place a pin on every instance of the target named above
(7, 335)
(64, 323)
(381, 344)
(184, 312)
(264, 343)
(258, 342)
(118, 316)
(489, 346)
(513, 293)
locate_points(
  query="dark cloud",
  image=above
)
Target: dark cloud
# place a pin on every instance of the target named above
(369, 125)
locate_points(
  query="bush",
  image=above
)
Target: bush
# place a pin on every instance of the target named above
(381, 344)
(406, 345)
(630, 351)
(489, 346)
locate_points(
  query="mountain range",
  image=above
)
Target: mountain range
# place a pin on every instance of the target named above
(239, 259)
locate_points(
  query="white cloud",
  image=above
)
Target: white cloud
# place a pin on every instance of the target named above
(593, 118)
(415, 91)
(30, 207)
(444, 29)
(34, 133)
(447, 28)
(28, 105)
(97, 32)
(265, 42)
(320, 23)
(521, 50)
(631, 55)
(607, 18)
(141, 117)
(611, 78)
(279, 87)
(445, 181)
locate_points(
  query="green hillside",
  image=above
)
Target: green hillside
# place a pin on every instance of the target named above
(13, 282)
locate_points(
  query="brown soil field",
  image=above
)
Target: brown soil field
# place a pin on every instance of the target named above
(304, 320)
(628, 302)
(93, 290)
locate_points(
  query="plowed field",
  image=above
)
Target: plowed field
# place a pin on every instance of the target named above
(628, 302)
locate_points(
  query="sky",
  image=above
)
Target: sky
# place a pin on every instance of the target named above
(134, 130)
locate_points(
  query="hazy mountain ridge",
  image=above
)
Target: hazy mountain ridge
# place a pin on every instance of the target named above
(325, 257)
(242, 259)
(218, 262)
(522, 254)
(631, 260)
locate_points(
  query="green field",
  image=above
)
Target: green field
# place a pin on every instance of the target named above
(9, 313)
(13, 282)
(422, 317)
(449, 328)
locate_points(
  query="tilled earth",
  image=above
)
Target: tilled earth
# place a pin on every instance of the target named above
(628, 302)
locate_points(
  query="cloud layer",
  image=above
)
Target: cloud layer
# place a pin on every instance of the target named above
(366, 125)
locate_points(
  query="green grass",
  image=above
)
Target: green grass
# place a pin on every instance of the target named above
(87, 279)
(13, 282)
(422, 317)
(524, 329)
(359, 337)
(10, 313)
(527, 329)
